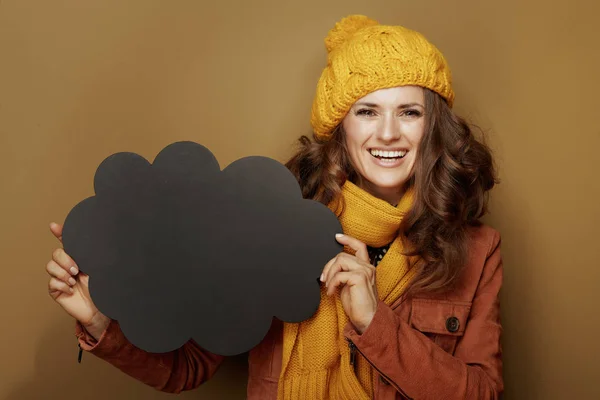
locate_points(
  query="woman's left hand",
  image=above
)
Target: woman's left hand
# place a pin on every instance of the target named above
(356, 276)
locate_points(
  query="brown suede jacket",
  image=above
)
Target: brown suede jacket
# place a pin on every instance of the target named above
(438, 347)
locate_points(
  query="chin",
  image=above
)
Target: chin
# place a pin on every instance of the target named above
(395, 183)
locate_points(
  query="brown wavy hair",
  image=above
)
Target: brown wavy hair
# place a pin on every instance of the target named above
(452, 177)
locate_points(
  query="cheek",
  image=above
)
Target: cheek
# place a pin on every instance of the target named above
(355, 135)
(354, 151)
(414, 135)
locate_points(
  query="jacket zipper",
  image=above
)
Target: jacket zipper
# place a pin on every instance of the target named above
(352, 352)
(354, 349)
(80, 353)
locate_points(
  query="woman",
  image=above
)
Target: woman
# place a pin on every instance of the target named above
(410, 308)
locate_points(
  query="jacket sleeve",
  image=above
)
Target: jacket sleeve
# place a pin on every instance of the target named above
(420, 369)
(173, 372)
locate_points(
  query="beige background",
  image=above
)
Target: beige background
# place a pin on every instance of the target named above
(80, 80)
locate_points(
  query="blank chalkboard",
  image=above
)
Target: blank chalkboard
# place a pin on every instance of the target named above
(179, 249)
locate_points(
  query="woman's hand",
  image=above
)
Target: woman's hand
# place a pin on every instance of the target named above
(356, 276)
(69, 288)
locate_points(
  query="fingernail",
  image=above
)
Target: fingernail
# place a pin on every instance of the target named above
(74, 270)
(339, 235)
(321, 278)
(71, 289)
(72, 281)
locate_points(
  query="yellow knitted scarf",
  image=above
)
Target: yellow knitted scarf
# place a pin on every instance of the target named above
(316, 356)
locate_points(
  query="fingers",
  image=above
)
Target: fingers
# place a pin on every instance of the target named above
(340, 262)
(327, 268)
(56, 287)
(361, 254)
(346, 263)
(58, 272)
(65, 261)
(350, 278)
(359, 247)
(56, 230)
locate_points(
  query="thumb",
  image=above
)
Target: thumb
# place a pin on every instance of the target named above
(56, 230)
(84, 280)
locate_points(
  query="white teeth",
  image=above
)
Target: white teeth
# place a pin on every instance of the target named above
(388, 154)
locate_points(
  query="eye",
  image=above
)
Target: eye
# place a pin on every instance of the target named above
(412, 113)
(366, 112)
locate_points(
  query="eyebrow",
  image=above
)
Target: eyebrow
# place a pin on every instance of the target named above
(401, 106)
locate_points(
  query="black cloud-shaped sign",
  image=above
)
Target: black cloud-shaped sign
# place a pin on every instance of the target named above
(179, 250)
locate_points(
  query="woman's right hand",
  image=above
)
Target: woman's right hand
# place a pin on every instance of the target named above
(69, 288)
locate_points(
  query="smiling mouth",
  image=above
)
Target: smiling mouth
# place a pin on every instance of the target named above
(388, 155)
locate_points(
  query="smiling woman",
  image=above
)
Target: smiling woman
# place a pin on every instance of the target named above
(410, 308)
(383, 131)
(401, 138)
(407, 179)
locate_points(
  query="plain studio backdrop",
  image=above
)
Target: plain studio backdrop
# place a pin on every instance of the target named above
(80, 80)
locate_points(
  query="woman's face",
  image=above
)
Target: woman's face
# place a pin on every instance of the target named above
(383, 132)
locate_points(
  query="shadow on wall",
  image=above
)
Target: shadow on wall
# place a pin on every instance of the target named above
(58, 375)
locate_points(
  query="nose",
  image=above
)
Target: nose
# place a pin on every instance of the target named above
(389, 130)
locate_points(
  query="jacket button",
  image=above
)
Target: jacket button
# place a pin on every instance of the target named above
(383, 380)
(452, 324)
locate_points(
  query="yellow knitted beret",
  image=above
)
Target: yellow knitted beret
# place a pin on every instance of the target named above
(364, 56)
